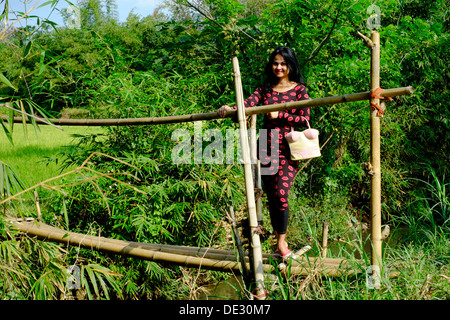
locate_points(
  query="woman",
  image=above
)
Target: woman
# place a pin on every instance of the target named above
(283, 83)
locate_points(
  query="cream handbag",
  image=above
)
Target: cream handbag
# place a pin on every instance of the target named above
(304, 144)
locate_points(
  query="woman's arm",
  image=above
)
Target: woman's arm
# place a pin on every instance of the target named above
(251, 101)
(297, 117)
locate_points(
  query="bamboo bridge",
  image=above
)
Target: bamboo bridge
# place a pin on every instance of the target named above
(192, 257)
(254, 260)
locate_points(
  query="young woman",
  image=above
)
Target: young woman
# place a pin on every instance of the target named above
(283, 83)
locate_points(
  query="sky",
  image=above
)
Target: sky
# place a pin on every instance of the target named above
(141, 7)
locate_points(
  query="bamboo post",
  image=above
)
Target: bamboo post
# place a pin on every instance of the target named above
(238, 244)
(375, 159)
(255, 242)
(324, 239)
(256, 167)
(38, 207)
(260, 193)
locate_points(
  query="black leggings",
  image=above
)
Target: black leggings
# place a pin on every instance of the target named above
(277, 186)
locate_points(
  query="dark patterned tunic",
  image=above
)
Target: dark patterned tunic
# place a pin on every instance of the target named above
(278, 173)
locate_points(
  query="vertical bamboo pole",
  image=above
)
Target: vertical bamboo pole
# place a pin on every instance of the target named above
(325, 239)
(260, 193)
(255, 242)
(38, 207)
(255, 165)
(238, 244)
(375, 159)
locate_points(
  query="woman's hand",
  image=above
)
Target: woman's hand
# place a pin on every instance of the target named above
(223, 110)
(273, 115)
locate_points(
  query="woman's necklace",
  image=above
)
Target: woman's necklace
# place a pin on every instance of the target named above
(279, 89)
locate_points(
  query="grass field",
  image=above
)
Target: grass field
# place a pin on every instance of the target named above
(33, 154)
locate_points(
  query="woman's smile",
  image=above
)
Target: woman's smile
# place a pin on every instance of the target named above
(280, 67)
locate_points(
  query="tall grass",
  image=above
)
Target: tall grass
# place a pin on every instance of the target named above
(422, 273)
(416, 253)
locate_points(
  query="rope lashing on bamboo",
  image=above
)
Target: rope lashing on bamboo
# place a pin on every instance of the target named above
(376, 94)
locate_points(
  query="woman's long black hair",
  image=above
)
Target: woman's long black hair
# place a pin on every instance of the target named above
(292, 63)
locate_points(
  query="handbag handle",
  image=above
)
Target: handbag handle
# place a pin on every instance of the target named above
(302, 117)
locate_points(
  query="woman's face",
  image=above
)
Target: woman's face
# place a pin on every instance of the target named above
(280, 67)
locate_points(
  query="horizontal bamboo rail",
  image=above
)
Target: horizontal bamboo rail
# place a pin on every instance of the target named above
(352, 97)
(204, 258)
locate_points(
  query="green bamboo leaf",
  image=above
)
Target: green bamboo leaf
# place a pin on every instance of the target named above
(91, 274)
(86, 285)
(66, 216)
(9, 181)
(5, 11)
(8, 133)
(2, 179)
(42, 66)
(103, 284)
(6, 81)
(47, 3)
(52, 24)
(27, 49)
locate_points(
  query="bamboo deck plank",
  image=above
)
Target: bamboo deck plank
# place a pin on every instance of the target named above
(194, 257)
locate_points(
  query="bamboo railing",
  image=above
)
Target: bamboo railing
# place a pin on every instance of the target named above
(352, 97)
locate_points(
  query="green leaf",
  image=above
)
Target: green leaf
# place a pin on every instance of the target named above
(86, 285)
(8, 133)
(5, 11)
(27, 49)
(7, 82)
(42, 66)
(9, 181)
(93, 280)
(66, 216)
(47, 3)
